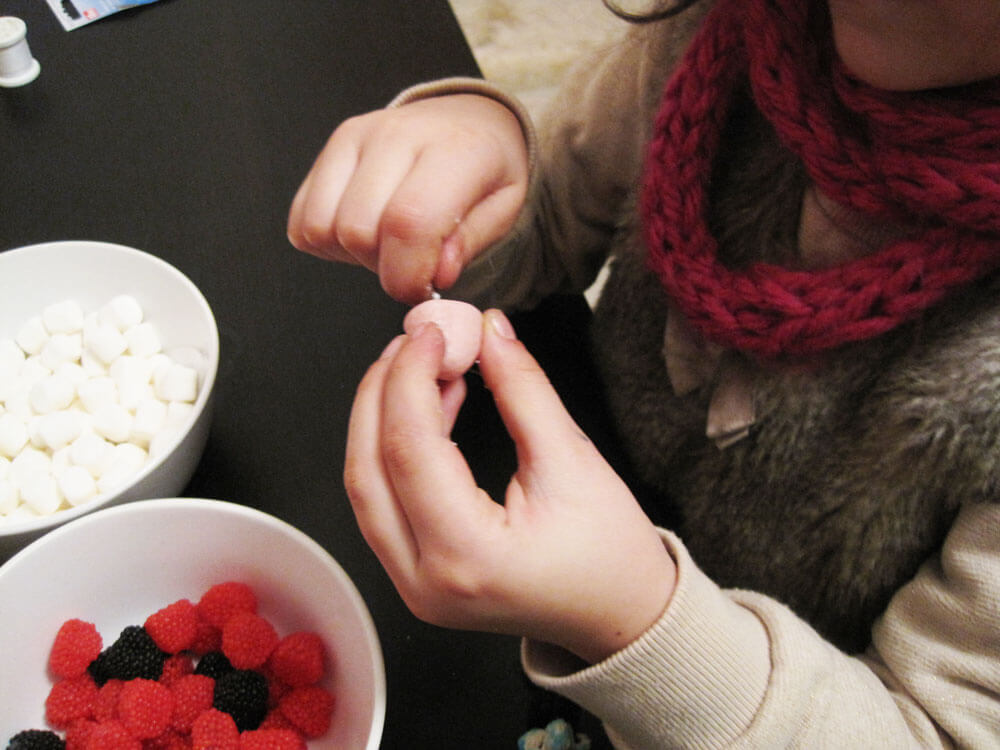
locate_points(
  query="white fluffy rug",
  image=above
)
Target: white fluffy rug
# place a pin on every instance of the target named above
(528, 45)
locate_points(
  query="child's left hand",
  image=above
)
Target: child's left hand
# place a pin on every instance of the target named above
(569, 558)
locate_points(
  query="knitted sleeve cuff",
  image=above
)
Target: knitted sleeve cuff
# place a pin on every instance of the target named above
(697, 677)
(462, 85)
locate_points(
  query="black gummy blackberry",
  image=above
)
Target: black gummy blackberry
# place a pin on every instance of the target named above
(36, 739)
(213, 664)
(242, 694)
(134, 654)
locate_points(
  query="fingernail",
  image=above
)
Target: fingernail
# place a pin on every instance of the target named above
(421, 330)
(392, 348)
(501, 325)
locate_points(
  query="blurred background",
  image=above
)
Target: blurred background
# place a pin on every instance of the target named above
(527, 45)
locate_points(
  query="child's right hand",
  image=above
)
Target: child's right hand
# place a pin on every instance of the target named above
(414, 193)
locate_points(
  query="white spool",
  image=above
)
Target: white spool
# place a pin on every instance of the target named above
(17, 66)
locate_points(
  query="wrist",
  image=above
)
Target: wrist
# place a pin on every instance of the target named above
(641, 602)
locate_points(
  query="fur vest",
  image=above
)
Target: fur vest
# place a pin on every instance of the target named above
(858, 461)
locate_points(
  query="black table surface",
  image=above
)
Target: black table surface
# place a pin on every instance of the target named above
(183, 128)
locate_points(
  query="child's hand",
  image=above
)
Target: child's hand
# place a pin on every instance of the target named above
(570, 558)
(414, 193)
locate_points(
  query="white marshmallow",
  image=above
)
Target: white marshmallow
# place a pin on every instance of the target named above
(105, 342)
(131, 394)
(31, 337)
(63, 317)
(13, 434)
(4, 467)
(90, 451)
(34, 369)
(34, 436)
(178, 413)
(16, 401)
(61, 348)
(51, 393)
(131, 367)
(132, 375)
(11, 358)
(26, 464)
(123, 311)
(188, 356)
(91, 364)
(9, 386)
(77, 485)
(60, 461)
(143, 340)
(72, 372)
(21, 513)
(176, 383)
(41, 493)
(150, 417)
(159, 362)
(97, 393)
(59, 429)
(127, 459)
(113, 422)
(9, 497)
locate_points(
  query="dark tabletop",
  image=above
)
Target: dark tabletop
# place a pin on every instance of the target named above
(183, 128)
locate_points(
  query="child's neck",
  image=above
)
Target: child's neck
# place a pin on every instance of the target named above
(830, 234)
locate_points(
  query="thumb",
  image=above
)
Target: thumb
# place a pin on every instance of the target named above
(530, 408)
(483, 224)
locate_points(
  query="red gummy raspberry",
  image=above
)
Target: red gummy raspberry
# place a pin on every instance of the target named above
(174, 627)
(299, 659)
(193, 695)
(111, 735)
(106, 703)
(167, 741)
(208, 638)
(271, 739)
(145, 708)
(79, 733)
(223, 600)
(276, 689)
(247, 640)
(276, 720)
(77, 643)
(215, 730)
(70, 700)
(175, 667)
(309, 708)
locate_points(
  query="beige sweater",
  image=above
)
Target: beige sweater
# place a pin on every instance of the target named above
(733, 668)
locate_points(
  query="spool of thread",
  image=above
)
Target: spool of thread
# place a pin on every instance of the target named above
(17, 66)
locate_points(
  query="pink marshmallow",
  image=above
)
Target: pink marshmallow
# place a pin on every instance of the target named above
(462, 326)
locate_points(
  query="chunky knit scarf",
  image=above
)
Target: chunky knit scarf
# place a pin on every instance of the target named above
(930, 161)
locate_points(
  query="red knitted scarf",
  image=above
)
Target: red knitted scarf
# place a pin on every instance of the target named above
(927, 161)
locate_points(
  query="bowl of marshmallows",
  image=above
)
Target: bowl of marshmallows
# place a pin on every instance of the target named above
(108, 358)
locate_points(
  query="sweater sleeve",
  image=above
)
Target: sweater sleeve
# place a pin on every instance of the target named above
(738, 669)
(585, 157)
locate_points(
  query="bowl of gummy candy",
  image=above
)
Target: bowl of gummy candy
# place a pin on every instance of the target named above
(185, 623)
(108, 358)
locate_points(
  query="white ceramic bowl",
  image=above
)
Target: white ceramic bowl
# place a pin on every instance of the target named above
(116, 566)
(92, 273)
